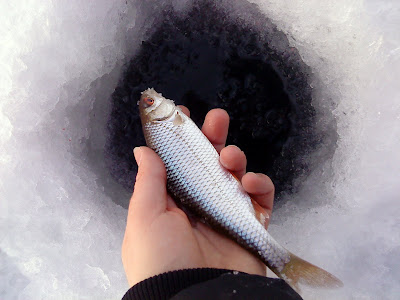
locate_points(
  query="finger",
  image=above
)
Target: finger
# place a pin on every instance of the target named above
(185, 110)
(261, 189)
(234, 159)
(149, 198)
(215, 127)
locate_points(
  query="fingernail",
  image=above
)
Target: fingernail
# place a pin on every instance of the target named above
(234, 146)
(137, 152)
(258, 175)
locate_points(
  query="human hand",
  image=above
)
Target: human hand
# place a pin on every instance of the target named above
(160, 237)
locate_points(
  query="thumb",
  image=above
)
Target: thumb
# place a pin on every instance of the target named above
(149, 198)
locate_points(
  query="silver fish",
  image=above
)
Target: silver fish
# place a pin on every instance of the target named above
(200, 183)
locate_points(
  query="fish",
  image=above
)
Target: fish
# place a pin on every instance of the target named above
(197, 181)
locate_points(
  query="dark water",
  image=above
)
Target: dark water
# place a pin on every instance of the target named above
(211, 57)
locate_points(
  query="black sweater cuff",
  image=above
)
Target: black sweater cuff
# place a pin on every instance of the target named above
(166, 285)
(221, 284)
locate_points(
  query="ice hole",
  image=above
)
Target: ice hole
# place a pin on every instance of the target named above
(210, 56)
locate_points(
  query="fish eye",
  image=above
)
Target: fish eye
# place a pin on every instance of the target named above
(148, 101)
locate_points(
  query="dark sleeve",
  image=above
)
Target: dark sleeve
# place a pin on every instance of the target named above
(211, 284)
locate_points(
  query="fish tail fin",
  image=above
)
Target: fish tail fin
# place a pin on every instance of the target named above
(298, 271)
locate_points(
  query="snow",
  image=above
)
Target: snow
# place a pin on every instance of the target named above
(61, 228)
(351, 223)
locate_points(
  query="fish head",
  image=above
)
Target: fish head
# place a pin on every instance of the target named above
(154, 107)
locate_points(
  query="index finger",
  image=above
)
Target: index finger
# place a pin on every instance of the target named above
(185, 110)
(215, 127)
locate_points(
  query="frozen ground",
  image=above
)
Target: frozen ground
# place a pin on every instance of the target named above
(60, 231)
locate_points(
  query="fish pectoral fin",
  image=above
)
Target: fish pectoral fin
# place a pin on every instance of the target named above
(178, 120)
(298, 271)
(260, 213)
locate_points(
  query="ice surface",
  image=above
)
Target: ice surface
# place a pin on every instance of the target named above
(60, 228)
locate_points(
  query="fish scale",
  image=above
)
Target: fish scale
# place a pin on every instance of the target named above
(215, 195)
(197, 180)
